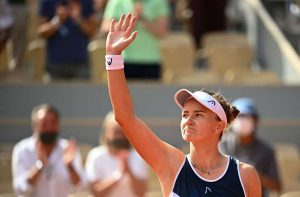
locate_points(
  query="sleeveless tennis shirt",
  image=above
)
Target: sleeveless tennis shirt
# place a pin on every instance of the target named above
(190, 184)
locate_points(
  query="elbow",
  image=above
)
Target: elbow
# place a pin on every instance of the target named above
(123, 119)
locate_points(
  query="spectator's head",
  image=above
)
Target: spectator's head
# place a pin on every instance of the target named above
(112, 135)
(45, 123)
(246, 122)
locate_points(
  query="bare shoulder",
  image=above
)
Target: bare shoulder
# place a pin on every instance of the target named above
(250, 180)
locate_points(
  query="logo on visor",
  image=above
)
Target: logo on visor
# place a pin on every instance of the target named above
(212, 102)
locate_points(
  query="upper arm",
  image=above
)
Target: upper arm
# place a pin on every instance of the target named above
(157, 153)
(250, 179)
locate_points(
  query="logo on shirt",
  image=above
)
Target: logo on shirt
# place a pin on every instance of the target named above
(109, 61)
(207, 189)
(212, 102)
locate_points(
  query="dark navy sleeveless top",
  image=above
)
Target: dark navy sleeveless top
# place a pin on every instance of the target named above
(190, 184)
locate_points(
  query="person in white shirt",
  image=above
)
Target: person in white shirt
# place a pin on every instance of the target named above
(114, 169)
(44, 164)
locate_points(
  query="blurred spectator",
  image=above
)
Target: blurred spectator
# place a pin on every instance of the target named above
(175, 24)
(44, 164)
(67, 25)
(142, 58)
(99, 6)
(206, 16)
(6, 22)
(20, 12)
(114, 169)
(244, 144)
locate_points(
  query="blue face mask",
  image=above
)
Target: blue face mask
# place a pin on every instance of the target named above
(48, 137)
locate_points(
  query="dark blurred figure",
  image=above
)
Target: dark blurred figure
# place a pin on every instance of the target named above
(45, 164)
(244, 144)
(68, 26)
(6, 22)
(206, 16)
(115, 169)
(99, 6)
(20, 12)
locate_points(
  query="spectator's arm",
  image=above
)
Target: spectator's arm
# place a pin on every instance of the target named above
(269, 183)
(270, 177)
(139, 185)
(24, 179)
(74, 176)
(47, 29)
(104, 187)
(88, 25)
(158, 27)
(76, 173)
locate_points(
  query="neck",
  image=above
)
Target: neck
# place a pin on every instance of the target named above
(210, 152)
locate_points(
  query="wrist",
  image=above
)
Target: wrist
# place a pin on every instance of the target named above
(55, 21)
(39, 165)
(114, 62)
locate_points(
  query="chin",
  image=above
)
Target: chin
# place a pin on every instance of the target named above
(187, 138)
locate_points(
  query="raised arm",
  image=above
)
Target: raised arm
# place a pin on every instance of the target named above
(148, 145)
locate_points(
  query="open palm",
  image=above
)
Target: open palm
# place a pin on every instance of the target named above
(69, 152)
(120, 35)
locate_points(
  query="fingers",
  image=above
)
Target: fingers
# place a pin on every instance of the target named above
(131, 25)
(112, 25)
(127, 22)
(131, 37)
(120, 24)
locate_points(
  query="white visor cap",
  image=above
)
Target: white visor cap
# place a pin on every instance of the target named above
(203, 98)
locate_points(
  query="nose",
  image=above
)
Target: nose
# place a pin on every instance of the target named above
(190, 121)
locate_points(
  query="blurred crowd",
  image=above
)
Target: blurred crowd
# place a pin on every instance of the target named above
(68, 26)
(45, 164)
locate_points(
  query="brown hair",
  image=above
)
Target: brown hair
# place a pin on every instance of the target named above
(231, 111)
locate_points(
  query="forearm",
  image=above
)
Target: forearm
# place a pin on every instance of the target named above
(88, 26)
(48, 29)
(34, 175)
(269, 183)
(120, 96)
(74, 177)
(103, 188)
(139, 186)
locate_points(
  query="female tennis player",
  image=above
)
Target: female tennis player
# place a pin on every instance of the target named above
(205, 116)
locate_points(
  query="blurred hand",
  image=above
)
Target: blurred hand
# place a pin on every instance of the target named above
(120, 35)
(123, 161)
(75, 10)
(69, 152)
(138, 9)
(62, 13)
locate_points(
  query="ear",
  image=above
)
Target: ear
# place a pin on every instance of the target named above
(220, 127)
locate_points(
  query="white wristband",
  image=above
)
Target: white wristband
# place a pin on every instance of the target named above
(114, 62)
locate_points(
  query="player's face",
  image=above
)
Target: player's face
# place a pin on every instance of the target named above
(198, 122)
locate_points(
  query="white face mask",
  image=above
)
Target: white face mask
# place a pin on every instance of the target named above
(243, 126)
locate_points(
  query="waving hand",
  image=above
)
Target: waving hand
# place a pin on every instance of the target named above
(120, 34)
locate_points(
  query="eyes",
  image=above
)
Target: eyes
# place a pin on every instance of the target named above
(186, 115)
